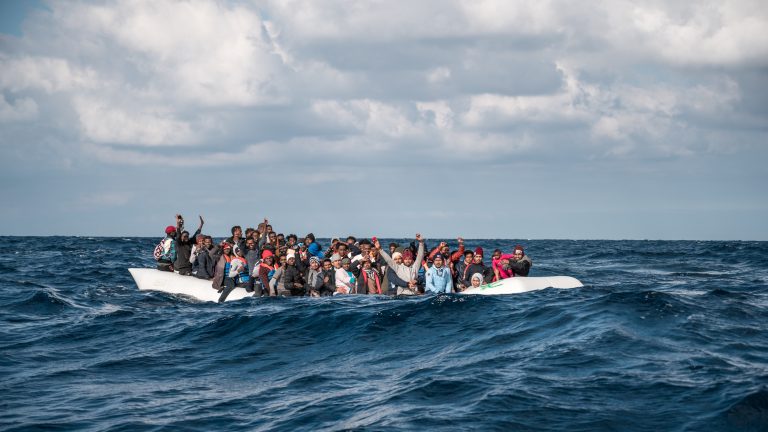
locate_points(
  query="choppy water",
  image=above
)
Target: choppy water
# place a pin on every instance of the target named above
(665, 336)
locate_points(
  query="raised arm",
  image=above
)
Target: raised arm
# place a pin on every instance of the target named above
(383, 254)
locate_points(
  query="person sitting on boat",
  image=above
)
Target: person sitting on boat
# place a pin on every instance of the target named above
(461, 271)
(345, 279)
(237, 275)
(314, 277)
(166, 255)
(221, 271)
(478, 266)
(519, 263)
(205, 261)
(438, 277)
(449, 258)
(293, 279)
(477, 280)
(251, 252)
(266, 270)
(329, 278)
(408, 269)
(369, 280)
(501, 268)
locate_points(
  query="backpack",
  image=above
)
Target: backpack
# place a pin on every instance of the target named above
(158, 253)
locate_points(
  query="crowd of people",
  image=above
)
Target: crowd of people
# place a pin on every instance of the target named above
(271, 264)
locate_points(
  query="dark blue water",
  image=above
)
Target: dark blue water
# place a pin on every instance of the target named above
(665, 336)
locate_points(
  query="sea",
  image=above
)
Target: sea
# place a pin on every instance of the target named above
(664, 336)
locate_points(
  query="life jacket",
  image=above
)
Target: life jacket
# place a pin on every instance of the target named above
(242, 276)
(364, 275)
(504, 274)
(271, 269)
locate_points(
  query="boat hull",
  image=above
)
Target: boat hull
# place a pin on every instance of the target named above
(148, 279)
(517, 285)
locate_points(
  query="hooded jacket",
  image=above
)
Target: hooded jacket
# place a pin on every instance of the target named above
(404, 272)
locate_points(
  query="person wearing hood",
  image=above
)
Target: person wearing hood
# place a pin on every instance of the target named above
(313, 248)
(183, 265)
(518, 263)
(314, 277)
(439, 278)
(476, 280)
(293, 280)
(461, 271)
(407, 270)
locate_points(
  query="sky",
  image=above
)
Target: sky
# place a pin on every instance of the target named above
(481, 119)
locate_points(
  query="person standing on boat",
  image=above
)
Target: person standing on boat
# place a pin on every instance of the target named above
(184, 248)
(221, 271)
(237, 241)
(205, 261)
(408, 269)
(329, 278)
(266, 270)
(236, 276)
(166, 255)
(519, 263)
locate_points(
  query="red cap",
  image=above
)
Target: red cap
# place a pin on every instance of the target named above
(266, 254)
(479, 251)
(407, 254)
(519, 248)
(169, 229)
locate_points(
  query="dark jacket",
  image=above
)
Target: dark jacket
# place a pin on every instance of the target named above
(314, 280)
(205, 264)
(487, 273)
(293, 280)
(329, 287)
(240, 244)
(522, 266)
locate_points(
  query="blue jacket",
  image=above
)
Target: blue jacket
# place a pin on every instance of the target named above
(439, 280)
(314, 250)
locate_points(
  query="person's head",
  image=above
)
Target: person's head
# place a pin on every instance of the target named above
(208, 241)
(170, 231)
(239, 252)
(226, 248)
(477, 279)
(478, 258)
(292, 239)
(249, 232)
(281, 238)
(342, 248)
(438, 261)
(345, 263)
(444, 249)
(365, 247)
(468, 255)
(269, 228)
(327, 265)
(351, 240)
(250, 243)
(283, 260)
(496, 254)
(237, 231)
(518, 252)
(367, 264)
(272, 237)
(268, 256)
(407, 257)
(185, 236)
(392, 247)
(314, 263)
(336, 260)
(200, 240)
(397, 257)
(309, 239)
(290, 259)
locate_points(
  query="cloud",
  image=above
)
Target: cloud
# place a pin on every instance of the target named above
(23, 109)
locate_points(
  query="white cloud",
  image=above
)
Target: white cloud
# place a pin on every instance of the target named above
(148, 126)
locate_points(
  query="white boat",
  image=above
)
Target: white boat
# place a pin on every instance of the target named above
(148, 279)
(516, 285)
